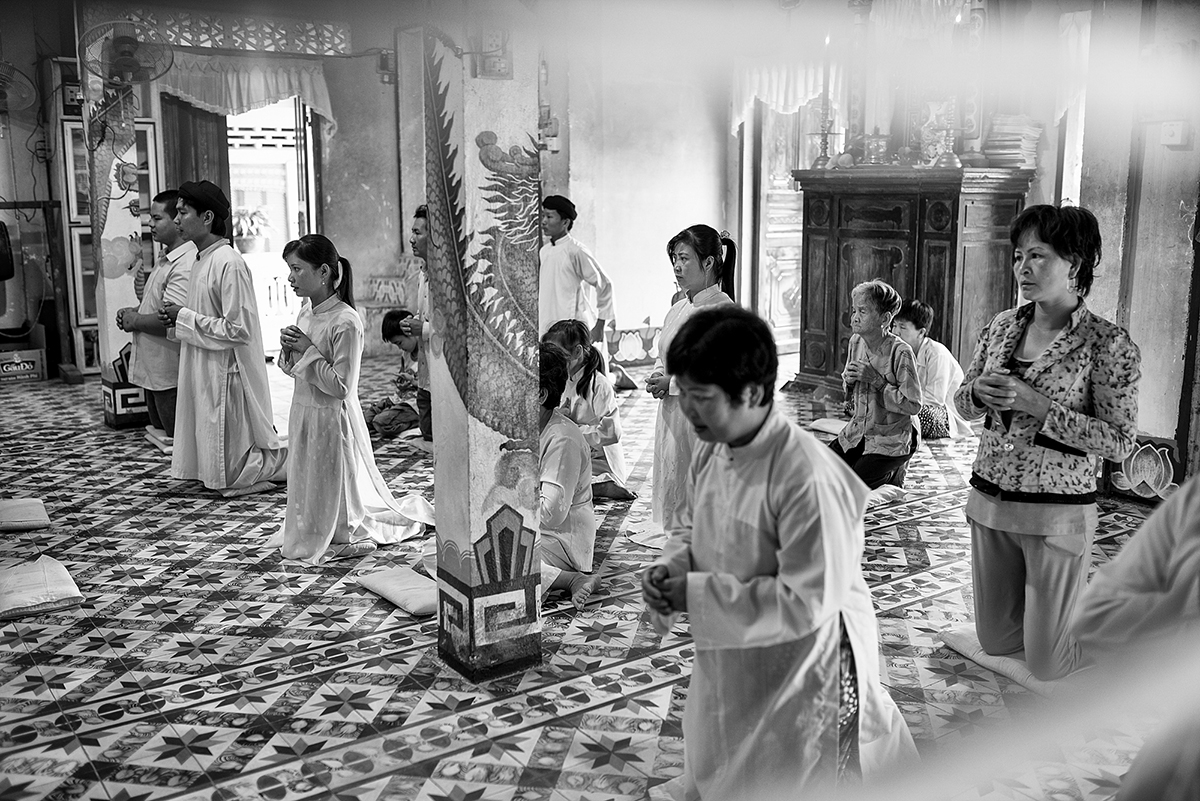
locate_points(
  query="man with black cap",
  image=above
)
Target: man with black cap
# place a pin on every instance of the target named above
(572, 285)
(224, 436)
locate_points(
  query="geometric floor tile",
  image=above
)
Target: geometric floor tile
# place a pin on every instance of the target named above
(202, 666)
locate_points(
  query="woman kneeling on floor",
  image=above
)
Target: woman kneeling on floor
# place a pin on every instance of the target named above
(568, 523)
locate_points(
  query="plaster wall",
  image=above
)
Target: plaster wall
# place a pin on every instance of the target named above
(1107, 139)
(360, 176)
(1162, 252)
(648, 138)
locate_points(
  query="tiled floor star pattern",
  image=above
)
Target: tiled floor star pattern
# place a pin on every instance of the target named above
(202, 666)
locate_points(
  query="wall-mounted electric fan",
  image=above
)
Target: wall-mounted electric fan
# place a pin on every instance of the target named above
(124, 53)
(16, 90)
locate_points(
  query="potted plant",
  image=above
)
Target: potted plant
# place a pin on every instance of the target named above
(250, 229)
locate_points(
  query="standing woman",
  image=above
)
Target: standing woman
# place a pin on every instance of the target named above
(338, 504)
(1058, 386)
(704, 263)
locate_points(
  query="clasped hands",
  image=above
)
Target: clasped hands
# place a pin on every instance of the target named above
(663, 592)
(862, 371)
(1001, 392)
(127, 318)
(658, 385)
(293, 339)
(170, 311)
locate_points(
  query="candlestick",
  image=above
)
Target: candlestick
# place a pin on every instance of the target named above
(825, 80)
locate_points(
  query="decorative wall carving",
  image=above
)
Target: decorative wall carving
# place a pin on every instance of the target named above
(232, 31)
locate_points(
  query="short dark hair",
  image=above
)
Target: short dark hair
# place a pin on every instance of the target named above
(422, 212)
(552, 373)
(168, 198)
(1072, 231)
(390, 328)
(918, 313)
(727, 346)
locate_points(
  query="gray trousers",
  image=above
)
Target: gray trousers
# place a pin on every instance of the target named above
(1025, 591)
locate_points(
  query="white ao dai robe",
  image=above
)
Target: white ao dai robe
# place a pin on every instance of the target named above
(771, 545)
(674, 437)
(599, 418)
(335, 492)
(224, 434)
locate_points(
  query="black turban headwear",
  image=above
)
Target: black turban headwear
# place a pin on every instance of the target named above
(564, 207)
(206, 196)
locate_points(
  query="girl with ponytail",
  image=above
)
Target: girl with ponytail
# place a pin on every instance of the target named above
(590, 402)
(338, 504)
(704, 262)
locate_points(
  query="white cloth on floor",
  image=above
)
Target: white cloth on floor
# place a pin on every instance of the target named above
(404, 587)
(43, 585)
(335, 490)
(224, 435)
(881, 495)
(828, 425)
(23, 514)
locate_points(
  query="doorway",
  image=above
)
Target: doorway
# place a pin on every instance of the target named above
(271, 188)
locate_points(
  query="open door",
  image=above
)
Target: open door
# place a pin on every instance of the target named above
(197, 144)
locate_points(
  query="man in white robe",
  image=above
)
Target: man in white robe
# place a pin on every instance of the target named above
(785, 697)
(224, 435)
(571, 285)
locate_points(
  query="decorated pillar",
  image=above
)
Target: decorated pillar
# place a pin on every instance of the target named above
(120, 174)
(482, 179)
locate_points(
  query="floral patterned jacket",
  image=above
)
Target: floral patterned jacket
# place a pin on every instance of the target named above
(1090, 374)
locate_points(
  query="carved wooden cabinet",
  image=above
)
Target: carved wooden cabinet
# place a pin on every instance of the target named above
(940, 235)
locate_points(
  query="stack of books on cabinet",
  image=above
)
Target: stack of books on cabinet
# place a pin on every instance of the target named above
(1012, 141)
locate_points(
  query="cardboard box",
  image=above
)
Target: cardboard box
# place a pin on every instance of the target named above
(23, 365)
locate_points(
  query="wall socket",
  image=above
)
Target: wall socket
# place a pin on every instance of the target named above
(494, 59)
(1175, 133)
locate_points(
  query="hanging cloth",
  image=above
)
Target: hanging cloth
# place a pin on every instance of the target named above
(782, 87)
(232, 84)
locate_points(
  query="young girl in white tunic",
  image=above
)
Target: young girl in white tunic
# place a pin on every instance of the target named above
(590, 402)
(568, 522)
(338, 503)
(705, 275)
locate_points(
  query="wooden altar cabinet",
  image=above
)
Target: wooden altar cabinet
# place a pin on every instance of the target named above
(940, 235)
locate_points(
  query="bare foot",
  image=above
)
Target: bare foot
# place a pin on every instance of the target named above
(582, 587)
(349, 550)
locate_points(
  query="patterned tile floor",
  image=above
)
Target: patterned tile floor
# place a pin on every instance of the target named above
(203, 667)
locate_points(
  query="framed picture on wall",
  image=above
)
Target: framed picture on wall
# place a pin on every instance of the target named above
(87, 350)
(79, 179)
(83, 287)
